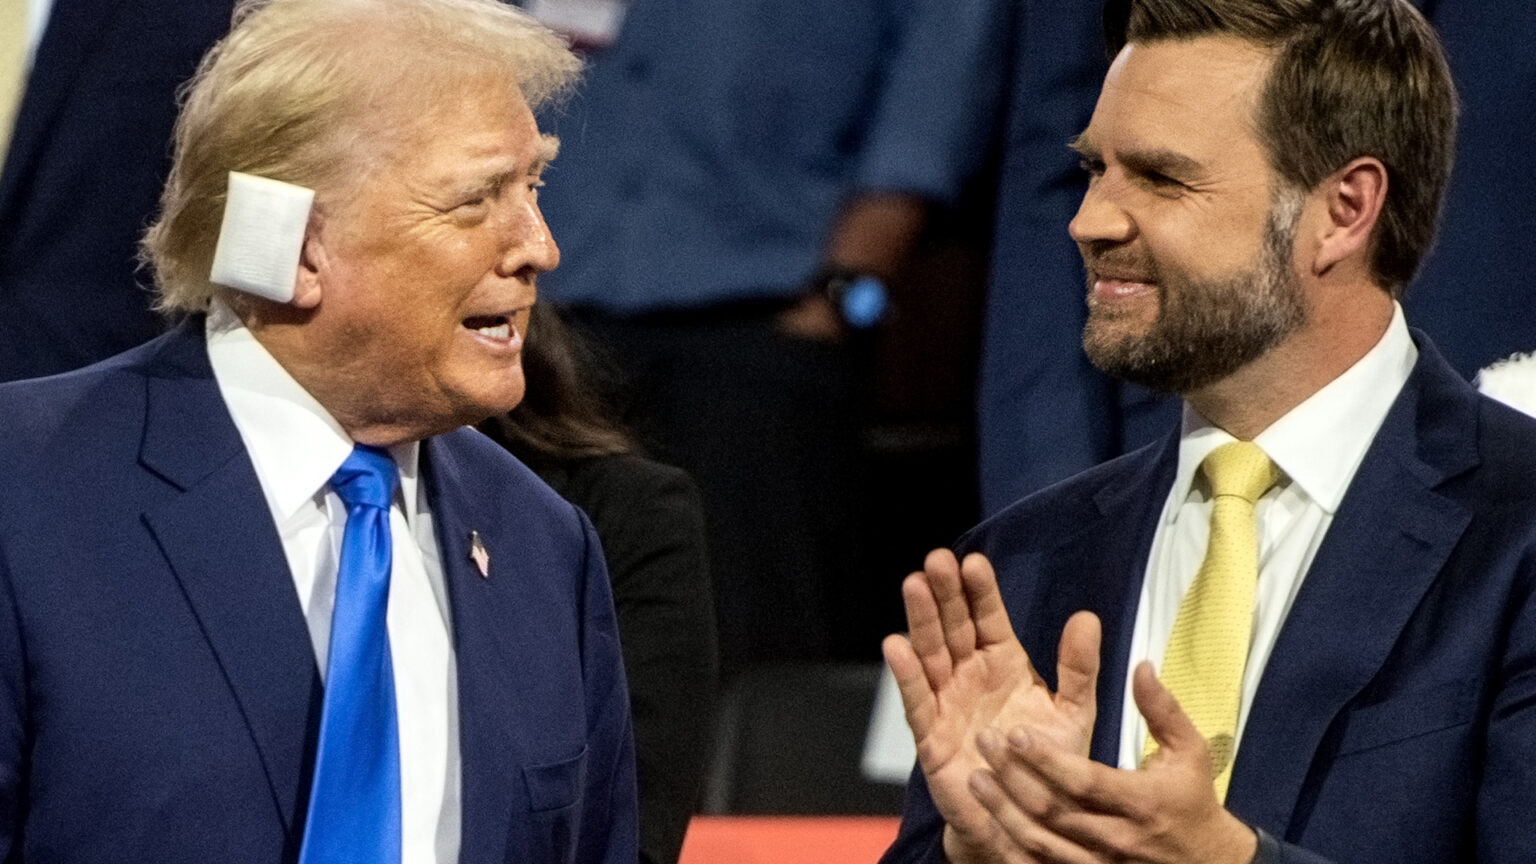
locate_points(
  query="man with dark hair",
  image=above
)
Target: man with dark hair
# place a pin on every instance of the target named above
(1331, 565)
(1045, 413)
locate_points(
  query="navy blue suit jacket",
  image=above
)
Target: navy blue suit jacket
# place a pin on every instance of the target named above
(159, 695)
(83, 173)
(1045, 413)
(1396, 718)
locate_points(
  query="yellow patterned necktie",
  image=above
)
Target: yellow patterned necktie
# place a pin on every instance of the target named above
(1208, 648)
(13, 58)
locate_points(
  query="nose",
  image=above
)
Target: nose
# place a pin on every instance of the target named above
(1101, 217)
(528, 247)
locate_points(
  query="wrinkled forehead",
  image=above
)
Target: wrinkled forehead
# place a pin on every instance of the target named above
(1199, 96)
(421, 118)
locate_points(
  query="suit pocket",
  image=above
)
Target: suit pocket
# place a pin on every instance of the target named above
(1420, 711)
(555, 785)
(551, 830)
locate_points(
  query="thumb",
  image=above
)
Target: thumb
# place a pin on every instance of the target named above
(1167, 723)
(1077, 666)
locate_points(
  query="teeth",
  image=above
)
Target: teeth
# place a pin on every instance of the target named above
(500, 331)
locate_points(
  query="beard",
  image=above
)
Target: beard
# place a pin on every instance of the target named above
(1205, 329)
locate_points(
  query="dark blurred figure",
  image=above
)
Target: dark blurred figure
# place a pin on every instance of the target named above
(1045, 413)
(83, 172)
(730, 170)
(650, 521)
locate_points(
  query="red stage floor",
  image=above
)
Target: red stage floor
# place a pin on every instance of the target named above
(787, 839)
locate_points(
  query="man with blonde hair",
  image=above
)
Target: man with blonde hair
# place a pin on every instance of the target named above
(262, 599)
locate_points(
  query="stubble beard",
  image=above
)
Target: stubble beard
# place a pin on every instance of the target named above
(1206, 329)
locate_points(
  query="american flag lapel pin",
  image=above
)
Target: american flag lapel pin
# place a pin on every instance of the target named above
(479, 555)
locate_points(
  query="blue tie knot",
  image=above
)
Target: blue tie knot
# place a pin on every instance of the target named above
(368, 478)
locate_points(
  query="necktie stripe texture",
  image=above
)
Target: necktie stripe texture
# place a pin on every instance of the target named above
(1208, 649)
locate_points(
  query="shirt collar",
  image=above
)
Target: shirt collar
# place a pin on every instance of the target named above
(1319, 443)
(294, 443)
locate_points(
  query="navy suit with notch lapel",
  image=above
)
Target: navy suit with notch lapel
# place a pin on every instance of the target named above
(159, 697)
(1396, 718)
(1045, 413)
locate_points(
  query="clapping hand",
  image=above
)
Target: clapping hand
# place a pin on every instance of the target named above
(962, 671)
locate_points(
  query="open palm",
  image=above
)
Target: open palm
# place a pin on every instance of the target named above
(961, 670)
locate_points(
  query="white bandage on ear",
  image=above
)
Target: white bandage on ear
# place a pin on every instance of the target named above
(262, 236)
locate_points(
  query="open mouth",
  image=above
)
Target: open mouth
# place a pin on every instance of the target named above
(497, 327)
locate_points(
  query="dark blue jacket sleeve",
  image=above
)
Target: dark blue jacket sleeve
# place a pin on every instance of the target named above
(610, 829)
(921, 838)
(12, 717)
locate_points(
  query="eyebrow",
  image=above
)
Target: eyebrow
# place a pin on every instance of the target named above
(548, 146)
(1157, 160)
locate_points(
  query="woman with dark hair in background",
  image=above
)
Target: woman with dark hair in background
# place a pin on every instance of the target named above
(651, 523)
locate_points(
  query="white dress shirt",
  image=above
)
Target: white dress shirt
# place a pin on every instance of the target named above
(1318, 446)
(295, 446)
(37, 21)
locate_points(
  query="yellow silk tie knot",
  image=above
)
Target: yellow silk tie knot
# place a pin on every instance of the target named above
(1208, 649)
(1240, 469)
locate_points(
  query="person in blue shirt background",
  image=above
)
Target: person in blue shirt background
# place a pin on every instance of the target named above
(732, 176)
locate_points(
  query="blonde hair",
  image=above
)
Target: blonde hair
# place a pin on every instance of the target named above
(313, 92)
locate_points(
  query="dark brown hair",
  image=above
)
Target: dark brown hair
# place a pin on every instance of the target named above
(1350, 78)
(561, 418)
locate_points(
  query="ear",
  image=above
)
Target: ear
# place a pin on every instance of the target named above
(313, 265)
(1353, 197)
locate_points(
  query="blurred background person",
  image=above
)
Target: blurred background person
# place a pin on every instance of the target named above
(730, 175)
(85, 147)
(651, 524)
(1044, 412)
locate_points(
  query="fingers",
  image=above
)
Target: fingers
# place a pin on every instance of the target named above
(925, 630)
(941, 634)
(1167, 723)
(917, 697)
(1083, 804)
(1034, 839)
(1077, 667)
(944, 580)
(1075, 782)
(1035, 842)
(986, 603)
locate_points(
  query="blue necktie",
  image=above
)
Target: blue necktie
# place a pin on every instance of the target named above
(354, 804)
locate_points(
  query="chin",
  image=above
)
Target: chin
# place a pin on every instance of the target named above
(490, 403)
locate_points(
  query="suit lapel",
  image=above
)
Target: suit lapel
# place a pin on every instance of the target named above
(1099, 565)
(483, 613)
(75, 27)
(1130, 512)
(1392, 534)
(219, 539)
